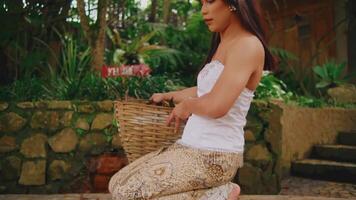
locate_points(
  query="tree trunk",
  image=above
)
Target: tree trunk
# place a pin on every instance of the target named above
(95, 37)
(99, 48)
(352, 37)
(54, 42)
(153, 13)
(84, 21)
(166, 11)
(123, 3)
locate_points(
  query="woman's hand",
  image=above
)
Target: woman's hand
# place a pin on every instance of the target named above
(157, 97)
(178, 114)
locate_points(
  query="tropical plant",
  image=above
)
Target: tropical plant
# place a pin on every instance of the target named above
(74, 64)
(330, 74)
(193, 40)
(289, 71)
(139, 50)
(271, 87)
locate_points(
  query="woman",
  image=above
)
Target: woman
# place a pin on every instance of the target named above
(202, 163)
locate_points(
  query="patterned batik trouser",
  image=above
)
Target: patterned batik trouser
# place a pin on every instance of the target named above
(177, 172)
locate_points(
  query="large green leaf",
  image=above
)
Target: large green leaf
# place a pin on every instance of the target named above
(319, 71)
(338, 69)
(323, 84)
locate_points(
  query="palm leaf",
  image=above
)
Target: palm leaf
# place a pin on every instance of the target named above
(168, 56)
(114, 37)
(151, 47)
(139, 43)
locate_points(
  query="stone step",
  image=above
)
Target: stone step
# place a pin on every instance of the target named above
(342, 153)
(347, 138)
(325, 170)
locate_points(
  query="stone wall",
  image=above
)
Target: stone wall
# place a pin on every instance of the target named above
(55, 146)
(63, 146)
(48, 147)
(260, 174)
(304, 127)
(277, 134)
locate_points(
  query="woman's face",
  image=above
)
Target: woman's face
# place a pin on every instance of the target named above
(216, 14)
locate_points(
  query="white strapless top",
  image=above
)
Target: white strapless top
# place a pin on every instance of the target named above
(225, 133)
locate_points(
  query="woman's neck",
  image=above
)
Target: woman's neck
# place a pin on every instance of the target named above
(232, 30)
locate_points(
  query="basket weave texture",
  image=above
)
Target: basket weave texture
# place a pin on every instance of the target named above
(142, 127)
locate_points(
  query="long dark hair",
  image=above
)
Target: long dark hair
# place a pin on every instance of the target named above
(250, 15)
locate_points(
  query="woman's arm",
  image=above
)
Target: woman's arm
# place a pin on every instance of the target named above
(241, 61)
(179, 96)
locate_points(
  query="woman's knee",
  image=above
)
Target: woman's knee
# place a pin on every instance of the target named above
(112, 182)
(117, 195)
(116, 190)
(129, 192)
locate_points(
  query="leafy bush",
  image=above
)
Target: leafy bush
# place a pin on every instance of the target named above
(271, 87)
(73, 65)
(313, 102)
(91, 87)
(75, 81)
(330, 74)
(299, 79)
(23, 90)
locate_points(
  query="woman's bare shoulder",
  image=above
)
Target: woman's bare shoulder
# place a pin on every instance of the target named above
(247, 44)
(247, 49)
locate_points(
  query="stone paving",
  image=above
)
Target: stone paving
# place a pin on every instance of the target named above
(308, 187)
(107, 197)
(293, 188)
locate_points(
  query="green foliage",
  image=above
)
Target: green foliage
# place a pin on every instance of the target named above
(145, 87)
(283, 55)
(26, 26)
(74, 62)
(138, 50)
(192, 41)
(330, 74)
(313, 102)
(305, 101)
(167, 59)
(300, 79)
(271, 87)
(287, 72)
(187, 50)
(23, 90)
(91, 87)
(108, 135)
(80, 132)
(28, 62)
(175, 51)
(74, 65)
(75, 81)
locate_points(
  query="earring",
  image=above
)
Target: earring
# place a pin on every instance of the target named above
(232, 8)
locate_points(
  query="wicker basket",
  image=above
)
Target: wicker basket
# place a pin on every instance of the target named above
(142, 127)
